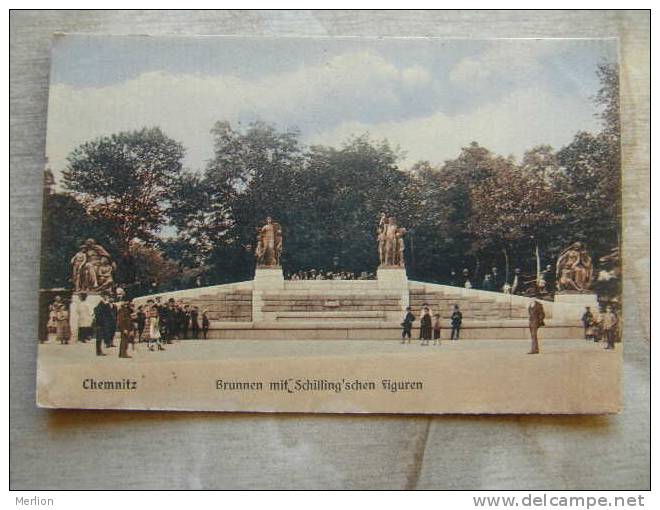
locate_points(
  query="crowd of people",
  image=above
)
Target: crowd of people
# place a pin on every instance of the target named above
(155, 323)
(430, 325)
(600, 326)
(494, 281)
(313, 274)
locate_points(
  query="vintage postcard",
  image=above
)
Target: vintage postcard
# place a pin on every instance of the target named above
(340, 225)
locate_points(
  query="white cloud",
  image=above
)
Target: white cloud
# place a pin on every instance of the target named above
(416, 75)
(506, 57)
(349, 94)
(185, 106)
(511, 125)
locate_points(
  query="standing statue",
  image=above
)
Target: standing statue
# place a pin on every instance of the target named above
(92, 268)
(574, 269)
(390, 242)
(269, 244)
(381, 238)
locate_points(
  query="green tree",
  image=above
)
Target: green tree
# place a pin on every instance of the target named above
(343, 192)
(514, 210)
(125, 180)
(66, 225)
(457, 177)
(251, 176)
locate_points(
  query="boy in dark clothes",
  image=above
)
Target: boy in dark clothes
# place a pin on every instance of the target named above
(456, 320)
(407, 325)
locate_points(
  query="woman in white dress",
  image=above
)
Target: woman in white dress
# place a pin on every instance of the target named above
(154, 330)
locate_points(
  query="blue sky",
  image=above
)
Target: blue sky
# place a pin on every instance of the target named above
(430, 96)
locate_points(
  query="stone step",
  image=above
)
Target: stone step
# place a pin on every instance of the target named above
(288, 296)
(380, 330)
(330, 303)
(329, 316)
(320, 308)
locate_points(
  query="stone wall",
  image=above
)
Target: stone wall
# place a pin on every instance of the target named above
(224, 303)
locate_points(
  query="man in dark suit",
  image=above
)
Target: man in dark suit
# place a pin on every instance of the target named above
(125, 327)
(104, 323)
(536, 320)
(110, 340)
(184, 319)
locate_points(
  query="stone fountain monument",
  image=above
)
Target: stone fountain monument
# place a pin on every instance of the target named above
(92, 273)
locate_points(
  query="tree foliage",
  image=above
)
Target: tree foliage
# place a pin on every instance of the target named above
(126, 180)
(474, 211)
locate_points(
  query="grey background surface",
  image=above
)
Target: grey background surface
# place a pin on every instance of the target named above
(131, 450)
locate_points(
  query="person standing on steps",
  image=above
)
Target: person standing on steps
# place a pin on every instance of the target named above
(456, 321)
(407, 325)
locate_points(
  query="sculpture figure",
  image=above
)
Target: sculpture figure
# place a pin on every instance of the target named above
(381, 238)
(574, 269)
(269, 244)
(104, 278)
(390, 242)
(400, 243)
(92, 268)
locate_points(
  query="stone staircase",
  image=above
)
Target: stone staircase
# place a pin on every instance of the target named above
(233, 306)
(473, 307)
(224, 303)
(361, 310)
(335, 305)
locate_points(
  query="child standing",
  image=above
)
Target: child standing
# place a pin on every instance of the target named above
(407, 325)
(436, 329)
(62, 325)
(154, 330)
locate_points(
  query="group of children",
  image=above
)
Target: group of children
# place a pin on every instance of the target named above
(430, 325)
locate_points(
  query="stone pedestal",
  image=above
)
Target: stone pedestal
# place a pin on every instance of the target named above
(269, 279)
(394, 280)
(77, 307)
(569, 306)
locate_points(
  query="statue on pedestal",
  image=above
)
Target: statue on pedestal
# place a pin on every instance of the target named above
(574, 269)
(391, 244)
(269, 244)
(92, 268)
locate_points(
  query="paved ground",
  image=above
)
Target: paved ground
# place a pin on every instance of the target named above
(53, 353)
(485, 376)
